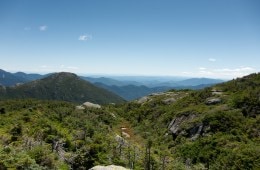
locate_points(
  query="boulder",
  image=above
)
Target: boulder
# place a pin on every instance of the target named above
(121, 141)
(195, 132)
(169, 100)
(175, 125)
(157, 94)
(91, 105)
(212, 101)
(80, 108)
(110, 167)
(216, 92)
(142, 100)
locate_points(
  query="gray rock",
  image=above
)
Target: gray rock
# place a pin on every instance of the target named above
(121, 141)
(143, 100)
(157, 94)
(212, 101)
(196, 131)
(175, 125)
(80, 108)
(215, 91)
(91, 105)
(110, 167)
(169, 100)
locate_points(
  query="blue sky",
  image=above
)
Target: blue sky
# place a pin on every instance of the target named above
(194, 38)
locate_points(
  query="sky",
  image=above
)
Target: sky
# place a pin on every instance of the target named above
(193, 38)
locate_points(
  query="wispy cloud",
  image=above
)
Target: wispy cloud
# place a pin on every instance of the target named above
(236, 72)
(226, 73)
(85, 37)
(240, 69)
(212, 59)
(43, 27)
(202, 68)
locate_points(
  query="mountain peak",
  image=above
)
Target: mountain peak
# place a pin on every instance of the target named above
(62, 75)
(63, 86)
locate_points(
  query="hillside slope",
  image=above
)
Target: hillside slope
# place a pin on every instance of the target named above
(214, 128)
(61, 86)
(54, 135)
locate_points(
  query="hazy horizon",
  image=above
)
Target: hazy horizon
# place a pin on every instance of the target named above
(213, 39)
(125, 77)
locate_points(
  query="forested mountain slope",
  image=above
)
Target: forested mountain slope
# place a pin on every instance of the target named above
(61, 86)
(214, 128)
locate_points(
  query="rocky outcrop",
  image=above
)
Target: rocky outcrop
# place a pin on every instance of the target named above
(212, 101)
(143, 100)
(196, 131)
(169, 100)
(215, 91)
(91, 105)
(121, 141)
(88, 105)
(176, 127)
(157, 94)
(110, 167)
(80, 108)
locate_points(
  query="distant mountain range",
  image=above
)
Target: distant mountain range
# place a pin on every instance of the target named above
(29, 77)
(61, 86)
(11, 79)
(131, 92)
(152, 81)
(110, 81)
(137, 87)
(128, 87)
